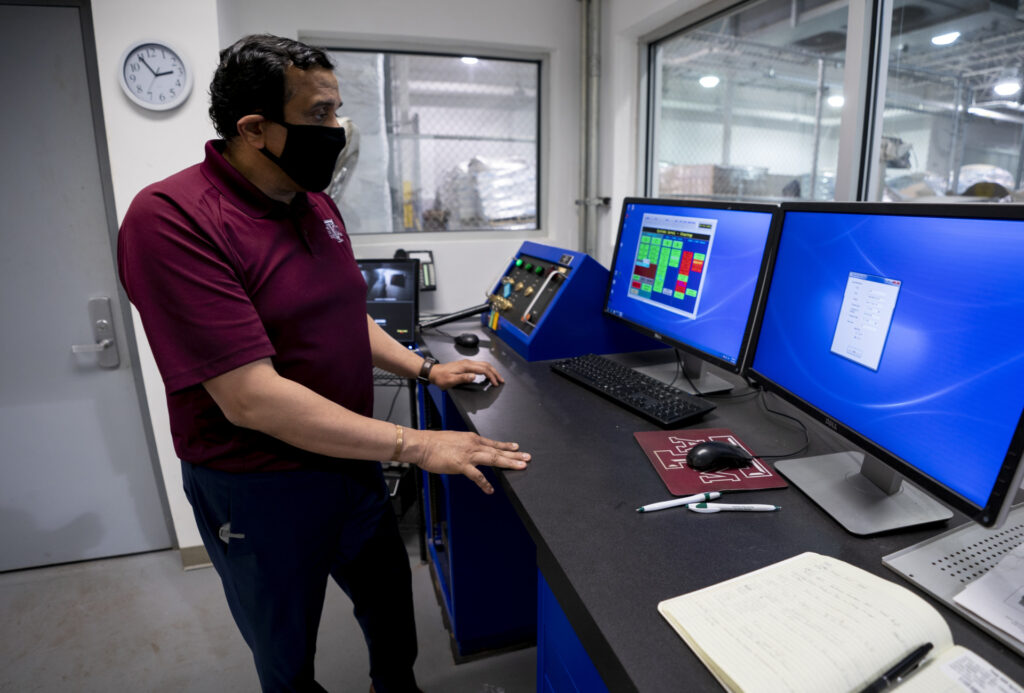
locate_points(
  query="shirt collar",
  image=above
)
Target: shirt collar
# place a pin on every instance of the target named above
(241, 191)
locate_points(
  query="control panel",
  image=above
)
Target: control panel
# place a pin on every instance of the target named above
(549, 304)
(529, 288)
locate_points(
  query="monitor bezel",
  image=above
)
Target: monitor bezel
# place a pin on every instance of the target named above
(415, 275)
(1011, 470)
(771, 242)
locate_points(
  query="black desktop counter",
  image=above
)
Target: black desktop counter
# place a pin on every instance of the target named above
(609, 566)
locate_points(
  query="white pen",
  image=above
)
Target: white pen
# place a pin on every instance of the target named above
(719, 507)
(711, 495)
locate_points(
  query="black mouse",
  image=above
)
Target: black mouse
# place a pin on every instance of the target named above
(468, 340)
(714, 454)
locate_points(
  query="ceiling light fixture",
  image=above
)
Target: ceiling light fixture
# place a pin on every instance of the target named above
(945, 39)
(470, 61)
(709, 81)
(1007, 86)
(836, 101)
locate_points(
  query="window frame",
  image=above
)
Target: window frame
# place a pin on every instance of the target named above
(338, 42)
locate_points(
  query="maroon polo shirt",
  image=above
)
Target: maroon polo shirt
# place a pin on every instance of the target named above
(223, 275)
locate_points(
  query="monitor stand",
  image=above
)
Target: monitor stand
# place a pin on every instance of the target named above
(706, 383)
(861, 493)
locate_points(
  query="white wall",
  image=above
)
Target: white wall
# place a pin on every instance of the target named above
(145, 147)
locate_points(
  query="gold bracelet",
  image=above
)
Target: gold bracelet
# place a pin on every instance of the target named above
(399, 442)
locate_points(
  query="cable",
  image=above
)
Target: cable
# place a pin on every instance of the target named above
(458, 315)
(803, 427)
(394, 399)
(679, 367)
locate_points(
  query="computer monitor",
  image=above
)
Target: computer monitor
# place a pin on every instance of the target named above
(901, 327)
(392, 295)
(688, 274)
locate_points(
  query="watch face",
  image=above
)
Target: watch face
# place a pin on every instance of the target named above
(155, 76)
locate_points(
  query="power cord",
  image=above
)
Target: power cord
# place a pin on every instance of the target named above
(803, 427)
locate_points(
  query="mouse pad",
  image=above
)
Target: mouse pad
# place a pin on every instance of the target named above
(667, 452)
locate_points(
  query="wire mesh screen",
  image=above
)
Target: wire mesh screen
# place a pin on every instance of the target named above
(748, 107)
(441, 142)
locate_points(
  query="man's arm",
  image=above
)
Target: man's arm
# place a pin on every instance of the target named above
(255, 396)
(393, 357)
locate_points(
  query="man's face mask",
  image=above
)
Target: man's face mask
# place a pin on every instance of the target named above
(309, 155)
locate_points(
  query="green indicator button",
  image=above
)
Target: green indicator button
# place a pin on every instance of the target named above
(519, 262)
(691, 292)
(529, 266)
(538, 269)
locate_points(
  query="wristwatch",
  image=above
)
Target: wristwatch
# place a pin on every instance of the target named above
(424, 376)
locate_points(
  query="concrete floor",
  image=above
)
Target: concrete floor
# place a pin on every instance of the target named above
(141, 623)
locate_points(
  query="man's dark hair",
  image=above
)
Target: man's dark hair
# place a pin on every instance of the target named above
(250, 78)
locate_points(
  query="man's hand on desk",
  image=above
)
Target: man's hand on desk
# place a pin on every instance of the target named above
(457, 452)
(447, 375)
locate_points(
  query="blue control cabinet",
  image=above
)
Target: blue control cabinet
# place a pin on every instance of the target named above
(563, 666)
(549, 304)
(483, 558)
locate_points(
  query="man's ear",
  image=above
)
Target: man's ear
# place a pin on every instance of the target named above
(252, 130)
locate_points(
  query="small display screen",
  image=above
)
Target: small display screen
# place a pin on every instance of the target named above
(392, 296)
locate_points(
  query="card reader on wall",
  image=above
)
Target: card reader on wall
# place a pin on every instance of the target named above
(549, 305)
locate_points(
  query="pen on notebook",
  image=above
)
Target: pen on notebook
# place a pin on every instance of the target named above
(900, 669)
(719, 507)
(651, 507)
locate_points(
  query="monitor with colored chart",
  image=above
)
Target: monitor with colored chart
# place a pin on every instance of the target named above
(688, 273)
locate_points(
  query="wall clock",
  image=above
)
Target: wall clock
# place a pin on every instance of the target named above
(155, 76)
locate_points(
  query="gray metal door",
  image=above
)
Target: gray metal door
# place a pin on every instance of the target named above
(77, 478)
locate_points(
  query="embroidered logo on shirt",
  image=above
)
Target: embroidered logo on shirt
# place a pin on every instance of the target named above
(333, 231)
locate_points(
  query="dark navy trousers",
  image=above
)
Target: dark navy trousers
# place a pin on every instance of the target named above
(286, 533)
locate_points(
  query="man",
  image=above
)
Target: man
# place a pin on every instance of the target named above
(255, 309)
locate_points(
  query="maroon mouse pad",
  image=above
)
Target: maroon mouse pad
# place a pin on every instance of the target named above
(667, 452)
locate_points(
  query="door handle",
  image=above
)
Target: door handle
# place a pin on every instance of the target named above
(92, 348)
(105, 346)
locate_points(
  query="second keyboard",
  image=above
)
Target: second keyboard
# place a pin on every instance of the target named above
(667, 406)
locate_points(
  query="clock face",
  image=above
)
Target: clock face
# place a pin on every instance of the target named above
(154, 76)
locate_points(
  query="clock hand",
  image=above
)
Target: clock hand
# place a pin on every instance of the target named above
(143, 61)
(161, 74)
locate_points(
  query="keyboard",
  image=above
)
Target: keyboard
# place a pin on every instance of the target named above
(667, 406)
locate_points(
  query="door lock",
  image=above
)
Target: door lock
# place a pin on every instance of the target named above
(105, 346)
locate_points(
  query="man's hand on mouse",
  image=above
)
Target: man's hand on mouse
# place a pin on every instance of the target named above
(446, 375)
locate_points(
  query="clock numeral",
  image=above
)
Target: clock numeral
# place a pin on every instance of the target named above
(138, 88)
(162, 97)
(131, 78)
(151, 52)
(177, 82)
(134, 67)
(173, 93)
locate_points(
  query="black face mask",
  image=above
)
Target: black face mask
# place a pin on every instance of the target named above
(309, 155)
